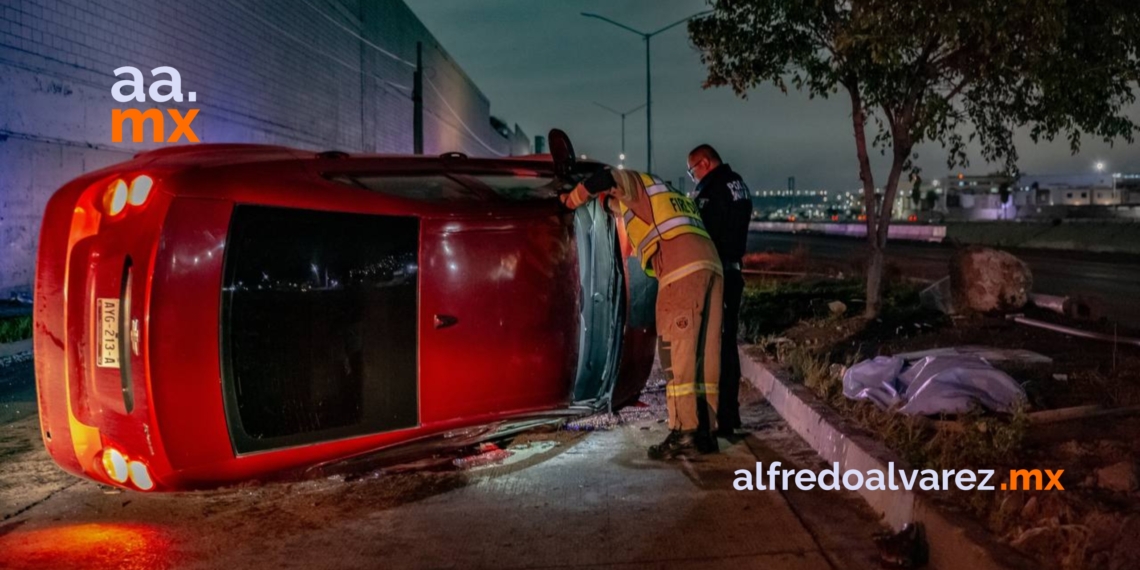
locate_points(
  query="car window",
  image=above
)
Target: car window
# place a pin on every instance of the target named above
(318, 326)
(457, 186)
(515, 187)
(429, 187)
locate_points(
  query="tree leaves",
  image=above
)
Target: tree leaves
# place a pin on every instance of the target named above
(935, 68)
(930, 70)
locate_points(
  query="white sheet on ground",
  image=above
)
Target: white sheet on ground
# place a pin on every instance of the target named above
(932, 385)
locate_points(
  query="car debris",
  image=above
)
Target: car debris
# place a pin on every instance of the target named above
(596, 422)
(1071, 331)
(1078, 307)
(938, 297)
(488, 453)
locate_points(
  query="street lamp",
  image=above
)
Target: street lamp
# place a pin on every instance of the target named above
(648, 85)
(1100, 166)
(622, 115)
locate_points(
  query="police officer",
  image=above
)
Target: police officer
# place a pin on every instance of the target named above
(726, 209)
(665, 230)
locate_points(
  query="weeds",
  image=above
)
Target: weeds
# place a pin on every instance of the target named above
(773, 306)
(15, 328)
(978, 440)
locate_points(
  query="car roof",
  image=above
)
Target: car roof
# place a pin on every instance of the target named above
(219, 155)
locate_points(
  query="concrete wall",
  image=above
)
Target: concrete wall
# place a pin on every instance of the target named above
(289, 72)
(907, 232)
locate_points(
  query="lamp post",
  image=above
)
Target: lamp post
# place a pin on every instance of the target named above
(648, 84)
(621, 114)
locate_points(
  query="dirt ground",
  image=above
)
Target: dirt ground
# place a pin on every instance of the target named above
(1095, 522)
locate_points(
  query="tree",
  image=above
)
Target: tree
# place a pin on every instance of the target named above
(931, 200)
(932, 70)
(916, 190)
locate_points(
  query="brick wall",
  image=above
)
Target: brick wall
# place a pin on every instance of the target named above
(304, 73)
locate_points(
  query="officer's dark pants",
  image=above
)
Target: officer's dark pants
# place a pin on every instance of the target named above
(728, 408)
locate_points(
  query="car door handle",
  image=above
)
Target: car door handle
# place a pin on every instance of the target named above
(444, 321)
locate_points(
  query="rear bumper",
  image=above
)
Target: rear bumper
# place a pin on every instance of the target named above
(87, 405)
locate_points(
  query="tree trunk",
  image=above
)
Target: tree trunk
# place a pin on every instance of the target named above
(875, 262)
(902, 147)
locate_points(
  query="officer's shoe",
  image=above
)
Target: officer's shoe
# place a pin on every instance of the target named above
(706, 442)
(676, 443)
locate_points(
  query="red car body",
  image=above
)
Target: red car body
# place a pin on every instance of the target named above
(219, 313)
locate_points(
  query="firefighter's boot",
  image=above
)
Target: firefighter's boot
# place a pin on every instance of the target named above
(676, 443)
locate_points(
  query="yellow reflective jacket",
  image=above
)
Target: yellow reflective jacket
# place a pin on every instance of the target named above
(655, 213)
(674, 214)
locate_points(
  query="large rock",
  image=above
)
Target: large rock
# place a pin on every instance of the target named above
(987, 280)
(1117, 477)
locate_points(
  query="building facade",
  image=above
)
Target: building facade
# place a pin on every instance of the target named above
(312, 74)
(1049, 196)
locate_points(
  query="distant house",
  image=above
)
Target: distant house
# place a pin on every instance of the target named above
(970, 197)
(1128, 186)
(1090, 189)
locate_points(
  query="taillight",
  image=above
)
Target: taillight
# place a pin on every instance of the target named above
(115, 465)
(119, 194)
(140, 476)
(116, 197)
(119, 468)
(140, 190)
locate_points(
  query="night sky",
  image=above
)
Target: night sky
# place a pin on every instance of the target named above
(542, 65)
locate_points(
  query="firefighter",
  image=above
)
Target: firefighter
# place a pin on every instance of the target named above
(726, 209)
(665, 229)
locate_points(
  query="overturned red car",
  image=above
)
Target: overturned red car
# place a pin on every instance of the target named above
(211, 314)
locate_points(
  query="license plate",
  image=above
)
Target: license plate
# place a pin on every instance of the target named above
(108, 356)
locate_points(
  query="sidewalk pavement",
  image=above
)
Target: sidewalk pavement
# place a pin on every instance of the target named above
(574, 500)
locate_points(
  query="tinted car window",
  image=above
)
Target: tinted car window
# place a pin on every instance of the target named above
(319, 329)
(455, 186)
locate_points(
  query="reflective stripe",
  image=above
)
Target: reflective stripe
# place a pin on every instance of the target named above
(678, 390)
(663, 227)
(671, 214)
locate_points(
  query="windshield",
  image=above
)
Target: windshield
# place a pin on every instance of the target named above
(454, 186)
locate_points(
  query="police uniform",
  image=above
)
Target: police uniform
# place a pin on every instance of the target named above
(668, 237)
(726, 209)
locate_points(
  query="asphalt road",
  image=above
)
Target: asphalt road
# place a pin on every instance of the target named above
(17, 391)
(1114, 279)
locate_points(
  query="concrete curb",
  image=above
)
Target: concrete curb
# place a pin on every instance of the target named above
(955, 541)
(13, 352)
